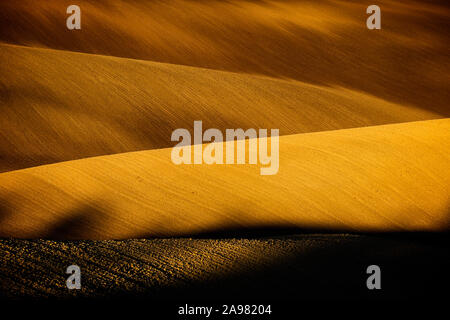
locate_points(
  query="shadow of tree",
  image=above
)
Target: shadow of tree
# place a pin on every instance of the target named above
(80, 223)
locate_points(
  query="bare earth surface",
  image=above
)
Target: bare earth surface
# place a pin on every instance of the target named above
(309, 266)
(85, 123)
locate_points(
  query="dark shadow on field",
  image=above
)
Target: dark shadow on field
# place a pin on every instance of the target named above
(79, 224)
(261, 265)
(321, 266)
(259, 232)
(414, 265)
(411, 266)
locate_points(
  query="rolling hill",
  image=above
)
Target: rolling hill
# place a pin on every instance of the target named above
(319, 42)
(58, 105)
(382, 178)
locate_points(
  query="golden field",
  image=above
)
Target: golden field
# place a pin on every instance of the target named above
(86, 118)
(84, 105)
(354, 179)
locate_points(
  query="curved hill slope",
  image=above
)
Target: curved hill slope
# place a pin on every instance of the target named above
(383, 178)
(58, 105)
(321, 42)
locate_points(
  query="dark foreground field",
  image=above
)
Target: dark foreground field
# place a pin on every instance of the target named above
(268, 269)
